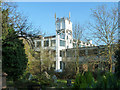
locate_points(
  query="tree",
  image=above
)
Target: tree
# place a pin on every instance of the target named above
(12, 18)
(77, 35)
(104, 28)
(14, 59)
(43, 61)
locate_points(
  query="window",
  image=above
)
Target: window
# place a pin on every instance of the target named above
(70, 41)
(54, 53)
(62, 53)
(62, 43)
(46, 43)
(38, 43)
(54, 64)
(60, 64)
(92, 52)
(68, 53)
(74, 44)
(67, 37)
(53, 43)
(62, 36)
(82, 52)
(63, 65)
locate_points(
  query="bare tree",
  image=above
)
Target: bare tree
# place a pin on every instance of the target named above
(77, 35)
(42, 60)
(104, 28)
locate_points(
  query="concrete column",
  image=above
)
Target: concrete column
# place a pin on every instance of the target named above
(49, 42)
(57, 53)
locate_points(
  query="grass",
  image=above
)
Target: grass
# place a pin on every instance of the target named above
(63, 83)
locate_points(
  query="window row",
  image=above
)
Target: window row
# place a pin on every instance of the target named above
(53, 43)
(46, 43)
(74, 53)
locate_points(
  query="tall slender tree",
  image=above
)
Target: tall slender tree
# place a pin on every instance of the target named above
(77, 35)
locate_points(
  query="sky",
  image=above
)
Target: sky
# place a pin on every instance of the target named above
(41, 14)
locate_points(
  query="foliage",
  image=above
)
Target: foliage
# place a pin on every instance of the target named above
(42, 79)
(25, 75)
(14, 59)
(108, 80)
(21, 84)
(42, 61)
(85, 80)
(117, 68)
(69, 72)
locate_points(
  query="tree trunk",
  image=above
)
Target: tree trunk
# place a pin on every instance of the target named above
(110, 64)
(77, 60)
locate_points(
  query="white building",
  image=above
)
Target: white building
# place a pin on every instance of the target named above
(62, 40)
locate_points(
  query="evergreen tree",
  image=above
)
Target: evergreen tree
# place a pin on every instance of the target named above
(14, 59)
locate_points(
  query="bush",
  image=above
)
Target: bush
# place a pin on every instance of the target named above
(43, 80)
(117, 66)
(108, 80)
(65, 75)
(85, 80)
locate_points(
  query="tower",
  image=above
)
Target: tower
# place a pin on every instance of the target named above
(64, 38)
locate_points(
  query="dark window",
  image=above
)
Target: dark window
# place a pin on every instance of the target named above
(38, 43)
(54, 64)
(54, 53)
(67, 37)
(63, 65)
(62, 53)
(60, 64)
(74, 44)
(82, 52)
(53, 43)
(92, 52)
(95, 51)
(68, 53)
(46, 43)
(62, 43)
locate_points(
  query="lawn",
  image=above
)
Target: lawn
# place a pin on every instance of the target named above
(63, 83)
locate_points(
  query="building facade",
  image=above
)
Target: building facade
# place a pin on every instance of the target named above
(61, 41)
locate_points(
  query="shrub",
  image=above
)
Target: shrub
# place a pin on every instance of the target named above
(43, 80)
(85, 80)
(65, 75)
(117, 66)
(108, 80)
